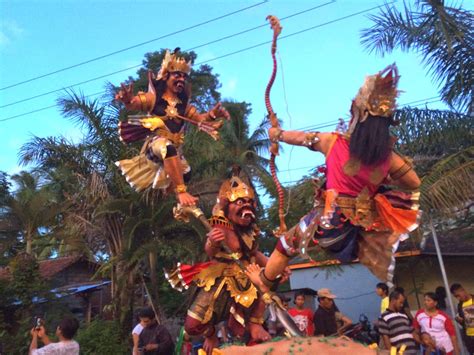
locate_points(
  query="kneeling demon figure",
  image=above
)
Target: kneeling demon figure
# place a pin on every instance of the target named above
(224, 290)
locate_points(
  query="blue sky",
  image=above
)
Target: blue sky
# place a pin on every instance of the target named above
(323, 68)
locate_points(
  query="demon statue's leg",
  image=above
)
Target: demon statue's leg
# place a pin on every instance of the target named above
(194, 327)
(258, 334)
(173, 168)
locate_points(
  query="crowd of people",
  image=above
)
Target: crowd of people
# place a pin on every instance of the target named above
(429, 330)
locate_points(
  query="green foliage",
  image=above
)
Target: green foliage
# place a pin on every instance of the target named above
(428, 135)
(16, 303)
(102, 337)
(4, 189)
(102, 216)
(449, 184)
(443, 35)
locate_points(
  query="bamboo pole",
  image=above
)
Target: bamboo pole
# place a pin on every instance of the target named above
(446, 286)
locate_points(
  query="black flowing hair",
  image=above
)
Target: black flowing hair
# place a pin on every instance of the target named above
(371, 142)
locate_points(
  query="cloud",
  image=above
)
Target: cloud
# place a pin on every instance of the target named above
(9, 31)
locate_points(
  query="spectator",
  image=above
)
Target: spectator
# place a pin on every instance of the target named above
(154, 338)
(65, 331)
(135, 335)
(395, 327)
(437, 325)
(303, 317)
(465, 315)
(441, 294)
(327, 316)
(382, 291)
(406, 306)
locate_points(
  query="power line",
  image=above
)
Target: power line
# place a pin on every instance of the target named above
(42, 109)
(187, 50)
(136, 45)
(232, 53)
(421, 100)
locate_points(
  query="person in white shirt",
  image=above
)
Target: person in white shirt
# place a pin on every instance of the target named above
(136, 335)
(65, 331)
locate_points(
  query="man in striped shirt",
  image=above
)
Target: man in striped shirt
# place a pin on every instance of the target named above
(395, 327)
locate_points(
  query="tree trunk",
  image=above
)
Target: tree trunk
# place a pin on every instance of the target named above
(29, 241)
(153, 277)
(124, 297)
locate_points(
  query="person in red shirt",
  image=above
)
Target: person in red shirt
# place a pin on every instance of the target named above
(436, 327)
(303, 317)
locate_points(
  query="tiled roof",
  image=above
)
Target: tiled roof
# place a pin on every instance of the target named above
(49, 268)
(454, 242)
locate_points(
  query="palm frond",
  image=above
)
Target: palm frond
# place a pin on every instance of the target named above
(443, 35)
(449, 186)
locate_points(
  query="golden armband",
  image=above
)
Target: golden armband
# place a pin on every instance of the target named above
(310, 139)
(403, 170)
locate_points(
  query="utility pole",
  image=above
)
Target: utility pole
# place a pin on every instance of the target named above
(446, 286)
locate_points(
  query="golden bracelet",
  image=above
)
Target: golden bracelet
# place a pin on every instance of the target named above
(181, 188)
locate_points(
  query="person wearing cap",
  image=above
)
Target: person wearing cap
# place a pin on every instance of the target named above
(328, 320)
(303, 317)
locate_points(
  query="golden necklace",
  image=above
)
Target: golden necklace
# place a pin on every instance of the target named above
(171, 110)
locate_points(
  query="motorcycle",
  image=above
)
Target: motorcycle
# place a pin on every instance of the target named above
(363, 331)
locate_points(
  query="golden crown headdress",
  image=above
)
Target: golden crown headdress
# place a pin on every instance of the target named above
(234, 188)
(172, 63)
(376, 97)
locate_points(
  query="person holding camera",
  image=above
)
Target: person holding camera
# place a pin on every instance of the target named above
(65, 331)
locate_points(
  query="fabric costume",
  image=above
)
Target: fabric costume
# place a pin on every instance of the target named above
(354, 216)
(161, 129)
(223, 289)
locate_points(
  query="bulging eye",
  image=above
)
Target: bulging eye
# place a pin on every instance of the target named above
(240, 202)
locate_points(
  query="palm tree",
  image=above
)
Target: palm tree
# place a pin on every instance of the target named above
(441, 144)
(442, 35)
(441, 141)
(32, 209)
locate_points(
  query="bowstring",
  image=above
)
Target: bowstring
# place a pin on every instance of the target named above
(291, 120)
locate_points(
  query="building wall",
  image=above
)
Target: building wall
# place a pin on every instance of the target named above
(353, 285)
(422, 274)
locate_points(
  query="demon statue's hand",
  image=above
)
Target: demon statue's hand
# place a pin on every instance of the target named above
(219, 111)
(125, 94)
(186, 199)
(253, 273)
(274, 134)
(285, 275)
(215, 237)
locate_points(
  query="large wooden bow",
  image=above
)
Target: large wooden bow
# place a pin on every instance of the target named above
(275, 24)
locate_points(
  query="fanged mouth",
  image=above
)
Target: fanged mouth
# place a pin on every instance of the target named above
(247, 214)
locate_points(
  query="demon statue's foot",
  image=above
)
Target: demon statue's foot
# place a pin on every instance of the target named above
(258, 334)
(210, 343)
